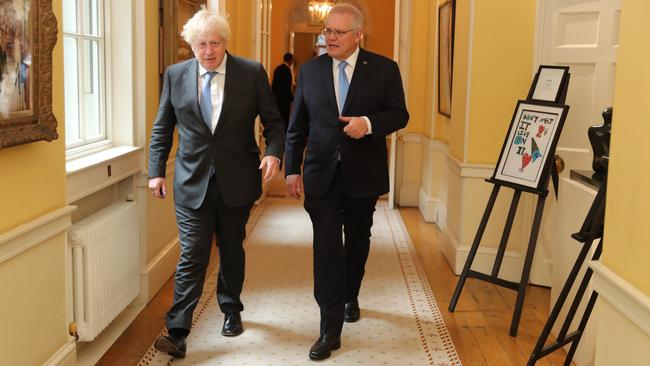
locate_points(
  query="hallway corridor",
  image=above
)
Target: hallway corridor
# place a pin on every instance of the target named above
(478, 328)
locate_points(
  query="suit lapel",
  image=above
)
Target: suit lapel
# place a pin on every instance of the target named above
(229, 89)
(357, 78)
(191, 86)
(329, 83)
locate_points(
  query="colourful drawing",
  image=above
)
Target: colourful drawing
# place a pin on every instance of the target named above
(518, 140)
(525, 160)
(529, 143)
(536, 152)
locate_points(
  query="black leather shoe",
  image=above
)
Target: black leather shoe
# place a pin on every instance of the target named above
(324, 346)
(171, 345)
(352, 311)
(232, 325)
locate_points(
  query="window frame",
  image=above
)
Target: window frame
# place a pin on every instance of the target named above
(87, 145)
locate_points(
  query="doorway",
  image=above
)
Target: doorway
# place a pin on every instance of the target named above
(581, 34)
(293, 32)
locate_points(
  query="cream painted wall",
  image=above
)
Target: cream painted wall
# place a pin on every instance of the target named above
(627, 239)
(619, 341)
(242, 21)
(497, 37)
(34, 309)
(160, 221)
(502, 59)
(36, 170)
(33, 283)
(417, 83)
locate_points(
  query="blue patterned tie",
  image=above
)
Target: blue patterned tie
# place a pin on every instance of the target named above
(343, 85)
(206, 98)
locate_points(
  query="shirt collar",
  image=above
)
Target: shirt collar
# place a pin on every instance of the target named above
(221, 69)
(352, 60)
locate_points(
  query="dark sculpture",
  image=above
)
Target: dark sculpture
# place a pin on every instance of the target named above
(599, 137)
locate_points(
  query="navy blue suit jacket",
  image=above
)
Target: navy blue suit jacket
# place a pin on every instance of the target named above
(376, 92)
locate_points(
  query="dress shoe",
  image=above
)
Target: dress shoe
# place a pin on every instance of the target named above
(232, 325)
(352, 311)
(324, 346)
(172, 345)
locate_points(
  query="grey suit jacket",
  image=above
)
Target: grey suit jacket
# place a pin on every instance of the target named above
(231, 152)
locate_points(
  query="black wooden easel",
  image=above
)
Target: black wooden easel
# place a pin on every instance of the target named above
(541, 193)
(591, 229)
(520, 286)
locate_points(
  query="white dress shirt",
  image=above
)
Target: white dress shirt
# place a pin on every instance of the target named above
(216, 90)
(349, 71)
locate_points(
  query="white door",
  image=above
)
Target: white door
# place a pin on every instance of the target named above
(581, 34)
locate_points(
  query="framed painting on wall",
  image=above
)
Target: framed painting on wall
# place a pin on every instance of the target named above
(532, 137)
(28, 31)
(446, 13)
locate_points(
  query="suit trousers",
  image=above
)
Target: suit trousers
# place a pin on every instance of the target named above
(197, 228)
(341, 226)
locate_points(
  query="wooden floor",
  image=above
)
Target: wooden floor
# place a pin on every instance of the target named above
(479, 327)
(480, 324)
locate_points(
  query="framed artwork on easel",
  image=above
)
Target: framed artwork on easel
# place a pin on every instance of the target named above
(532, 137)
(549, 84)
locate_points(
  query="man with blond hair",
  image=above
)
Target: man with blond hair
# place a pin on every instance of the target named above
(212, 101)
(345, 105)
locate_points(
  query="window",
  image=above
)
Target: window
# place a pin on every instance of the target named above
(84, 71)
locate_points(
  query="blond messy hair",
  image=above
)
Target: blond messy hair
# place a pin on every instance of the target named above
(205, 22)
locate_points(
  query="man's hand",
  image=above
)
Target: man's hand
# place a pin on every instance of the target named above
(271, 163)
(356, 127)
(158, 186)
(294, 185)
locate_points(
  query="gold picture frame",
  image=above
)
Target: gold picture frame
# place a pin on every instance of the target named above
(28, 33)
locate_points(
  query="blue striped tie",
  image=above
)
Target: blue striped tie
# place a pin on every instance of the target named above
(343, 85)
(206, 98)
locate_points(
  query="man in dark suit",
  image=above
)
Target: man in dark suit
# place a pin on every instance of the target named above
(346, 103)
(212, 100)
(281, 86)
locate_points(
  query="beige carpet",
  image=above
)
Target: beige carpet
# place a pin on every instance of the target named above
(400, 321)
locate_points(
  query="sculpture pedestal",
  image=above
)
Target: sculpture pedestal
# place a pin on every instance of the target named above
(577, 193)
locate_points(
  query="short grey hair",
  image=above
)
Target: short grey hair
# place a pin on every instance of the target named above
(204, 22)
(357, 15)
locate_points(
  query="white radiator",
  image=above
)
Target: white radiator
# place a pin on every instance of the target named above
(105, 266)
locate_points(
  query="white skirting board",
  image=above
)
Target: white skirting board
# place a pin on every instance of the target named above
(456, 255)
(64, 356)
(626, 298)
(159, 270)
(623, 320)
(408, 195)
(428, 207)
